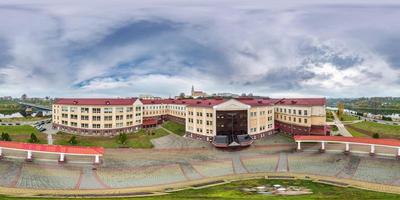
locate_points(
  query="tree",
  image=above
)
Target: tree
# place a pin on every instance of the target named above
(24, 96)
(5, 137)
(375, 135)
(33, 139)
(73, 140)
(122, 138)
(182, 95)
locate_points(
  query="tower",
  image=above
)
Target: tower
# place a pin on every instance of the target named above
(192, 92)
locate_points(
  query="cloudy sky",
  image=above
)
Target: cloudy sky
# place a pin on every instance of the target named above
(125, 48)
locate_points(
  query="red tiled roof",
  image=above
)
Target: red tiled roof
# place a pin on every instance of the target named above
(388, 142)
(246, 100)
(95, 101)
(188, 102)
(53, 148)
(301, 101)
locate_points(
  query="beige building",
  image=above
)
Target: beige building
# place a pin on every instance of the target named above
(230, 120)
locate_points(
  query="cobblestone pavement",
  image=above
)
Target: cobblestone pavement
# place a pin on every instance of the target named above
(125, 168)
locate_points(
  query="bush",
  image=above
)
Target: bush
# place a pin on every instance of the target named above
(375, 135)
(122, 138)
(5, 137)
(33, 139)
(73, 140)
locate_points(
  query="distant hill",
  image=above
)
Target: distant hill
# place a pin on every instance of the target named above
(376, 105)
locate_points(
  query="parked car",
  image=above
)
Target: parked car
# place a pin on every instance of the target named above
(42, 129)
(17, 124)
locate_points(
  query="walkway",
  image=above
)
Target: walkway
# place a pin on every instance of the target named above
(342, 130)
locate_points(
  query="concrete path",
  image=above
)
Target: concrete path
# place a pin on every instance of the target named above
(173, 141)
(342, 130)
(282, 163)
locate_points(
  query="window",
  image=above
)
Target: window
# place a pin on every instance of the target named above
(64, 109)
(299, 112)
(96, 110)
(108, 118)
(129, 109)
(129, 116)
(199, 121)
(209, 114)
(64, 122)
(294, 111)
(84, 125)
(119, 117)
(64, 115)
(119, 109)
(294, 119)
(129, 123)
(290, 111)
(107, 125)
(305, 112)
(108, 110)
(119, 125)
(209, 123)
(84, 110)
(95, 125)
(305, 121)
(138, 108)
(74, 124)
(199, 114)
(299, 120)
(84, 117)
(74, 116)
(96, 118)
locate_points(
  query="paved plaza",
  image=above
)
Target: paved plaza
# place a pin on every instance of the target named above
(132, 168)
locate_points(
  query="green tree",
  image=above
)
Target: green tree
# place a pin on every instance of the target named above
(73, 140)
(5, 137)
(122, 138)
(376, 135)
(33, 139)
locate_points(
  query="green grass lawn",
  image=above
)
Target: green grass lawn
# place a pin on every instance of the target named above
(355, 133)
(234, 191)
(174, 127)
(329, 116)
(383, 129)
(22, 133)
(345, 117)
(140, 139)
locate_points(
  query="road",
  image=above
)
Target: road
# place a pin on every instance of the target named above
(342, 130)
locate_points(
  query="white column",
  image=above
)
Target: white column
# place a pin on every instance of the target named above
(29, 156)
(62, 157)
(323, 145)
(298, 145)
(372, 149)
(347, 146)
(1, 151)
(398, 151)
(97, 159)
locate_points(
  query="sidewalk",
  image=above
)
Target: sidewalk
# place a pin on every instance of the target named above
(342, 130)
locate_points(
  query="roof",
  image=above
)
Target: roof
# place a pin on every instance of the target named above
(301, 101)
(187, 102)
(53, 148)
(246, 100)
(95, 101)
(387, 142)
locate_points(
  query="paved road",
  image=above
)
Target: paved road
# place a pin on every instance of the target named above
(342, 130)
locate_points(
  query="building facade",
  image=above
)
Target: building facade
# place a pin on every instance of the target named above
(204, 119)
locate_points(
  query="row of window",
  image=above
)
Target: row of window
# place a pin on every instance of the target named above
(98, 110)
(262, 128)
(289, 111)
(294, 119)
(200, 114)
(98, 118)
(261, 113)
(95, 126)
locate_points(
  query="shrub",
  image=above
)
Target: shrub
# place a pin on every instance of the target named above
(73, 140)
(5, 137)
(122, 138)
(375, 135)
(33, 139)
